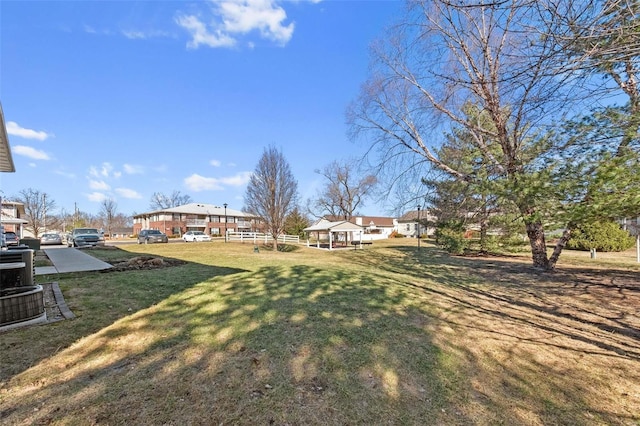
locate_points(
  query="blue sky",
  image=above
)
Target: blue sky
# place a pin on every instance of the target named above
(121, 99)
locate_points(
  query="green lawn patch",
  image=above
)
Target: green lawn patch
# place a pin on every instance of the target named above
(387, 335)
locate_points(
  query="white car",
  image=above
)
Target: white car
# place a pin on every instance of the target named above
(196, 236)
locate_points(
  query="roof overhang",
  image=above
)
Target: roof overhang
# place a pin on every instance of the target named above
(6, 161)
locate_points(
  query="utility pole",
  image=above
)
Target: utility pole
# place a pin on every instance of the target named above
(44, 207)
(418, 228)
(225, 222)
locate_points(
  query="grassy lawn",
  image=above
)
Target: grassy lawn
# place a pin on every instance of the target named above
(384, 335)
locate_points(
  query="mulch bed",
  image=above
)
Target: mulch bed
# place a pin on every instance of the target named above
(143, 263)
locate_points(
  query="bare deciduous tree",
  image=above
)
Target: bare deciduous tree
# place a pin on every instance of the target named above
(37, 204)
(160, 201)
(449, 55)
(272, 192)
(108, 212)
(344, 190)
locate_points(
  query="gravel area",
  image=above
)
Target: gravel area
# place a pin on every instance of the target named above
(54, 304)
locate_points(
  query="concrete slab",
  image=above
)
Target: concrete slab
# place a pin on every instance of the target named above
(74, 260)
(46, 270)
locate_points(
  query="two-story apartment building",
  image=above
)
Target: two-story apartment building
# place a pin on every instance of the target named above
(12, 217)
(209, 218)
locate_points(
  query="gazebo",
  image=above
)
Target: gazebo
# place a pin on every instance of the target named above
(337, 232)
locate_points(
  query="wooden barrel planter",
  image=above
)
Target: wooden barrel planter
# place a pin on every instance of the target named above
(18, 304)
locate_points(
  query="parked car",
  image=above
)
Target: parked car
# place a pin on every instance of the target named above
(148, 236)
(196, 236)
(11, 239)
(82, 237)
(50, 239)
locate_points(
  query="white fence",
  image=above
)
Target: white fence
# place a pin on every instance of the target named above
(257, 237)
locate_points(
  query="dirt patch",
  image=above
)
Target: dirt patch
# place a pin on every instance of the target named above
(143, 263)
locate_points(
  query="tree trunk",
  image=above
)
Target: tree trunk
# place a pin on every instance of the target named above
(483, 235)
(535, 232)
(562, 242)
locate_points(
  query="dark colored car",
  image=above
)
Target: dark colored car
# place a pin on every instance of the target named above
(82, 237)
(148, 236)
(50, 239)
(11, 238)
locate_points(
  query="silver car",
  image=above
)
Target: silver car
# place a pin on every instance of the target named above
(83, 237)
(50, 239)
(148, 236)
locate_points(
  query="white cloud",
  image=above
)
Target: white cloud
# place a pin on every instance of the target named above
(197, 183)
(30, 152)
(240, 179)
(99, 185)
(96, 196)
(132, 34)
(241, 17)
(14, 129)
(144, 35)
(133, 169)
(215, 163)
(128, 193)
(103, 170)
(235, 18)
(200, 34)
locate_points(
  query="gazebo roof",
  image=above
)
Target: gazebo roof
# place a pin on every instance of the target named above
(324, 225)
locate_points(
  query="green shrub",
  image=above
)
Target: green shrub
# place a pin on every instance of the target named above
(451, 240)
(514, 243)
(602, 236)
(490, 243)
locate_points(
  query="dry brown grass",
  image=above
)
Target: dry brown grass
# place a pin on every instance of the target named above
(380, 336)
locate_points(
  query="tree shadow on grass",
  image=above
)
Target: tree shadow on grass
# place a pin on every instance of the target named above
(585, 315)
(98, 300)
(280, 345)
(380, 338)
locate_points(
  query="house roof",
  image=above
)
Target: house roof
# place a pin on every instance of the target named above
(412, 216)
(6, 161)
(13, 221)
(377, 220)
(199, 209)
(366, 220)
(324, 225)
